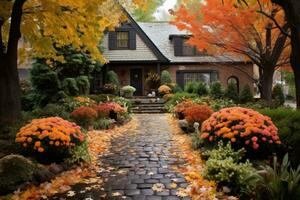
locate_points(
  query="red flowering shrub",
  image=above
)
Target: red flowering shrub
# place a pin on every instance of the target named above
(110, 108)
(197, 113)
(50, 135)
(84, 116)
(182, 106)
(243, 127)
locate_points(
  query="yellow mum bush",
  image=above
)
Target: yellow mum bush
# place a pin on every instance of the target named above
(46, 134)
(164, 89)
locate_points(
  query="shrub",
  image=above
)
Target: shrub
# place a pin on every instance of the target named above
(287, 122)
(244, 128)
(99, 98)
(180, 108)
(225, 166)
(153, 80)
(53, 136)
(14, 171)
(190, 87)
(279, 182)
(84, 116)
(216, 90)
(110, 109)
(102, 123)
(110, 89)
(51, 110)
(201, 89)
(177, 98)
(164, 89)
(128, 91)
(246, 94)
(278, 96)
(197, 113)
(168, 97)
(70, 86)
(176, 89)
(79, 153)
(112, 78)
(232, 93)
(165, 78)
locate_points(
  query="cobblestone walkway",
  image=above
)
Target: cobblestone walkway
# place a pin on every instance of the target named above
(139, 160)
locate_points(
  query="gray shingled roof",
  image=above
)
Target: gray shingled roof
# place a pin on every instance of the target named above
(159, 33)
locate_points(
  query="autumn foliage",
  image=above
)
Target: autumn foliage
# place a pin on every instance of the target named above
(197, 113)
(243, 127)
(49, 134)
(104, 109)
(84, 115)
(164, 89)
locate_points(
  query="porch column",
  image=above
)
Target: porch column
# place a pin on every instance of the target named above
(158, 68)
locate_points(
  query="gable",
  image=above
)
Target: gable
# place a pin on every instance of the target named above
(142, 48)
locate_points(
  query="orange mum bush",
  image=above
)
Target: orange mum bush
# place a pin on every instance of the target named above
(243, 127)
(164, 89)
(105, 109)
(48, 134)
(182, 106)
(84, 116)
(197, 113)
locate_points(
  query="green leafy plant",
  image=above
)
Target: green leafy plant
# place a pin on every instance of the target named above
(232, 92)
(112, 78)
(216, 90)
(110, 88)
(102, 123)
(246, 94)
(190, 87)
(226, 167)
(278, 96)
(79, 153)
(279, 183)
(165, 78)
(201, 89)
(128, 91)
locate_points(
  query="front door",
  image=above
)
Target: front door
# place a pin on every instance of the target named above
(136, 80)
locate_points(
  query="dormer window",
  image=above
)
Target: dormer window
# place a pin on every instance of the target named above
(123, 39)
(182, 48)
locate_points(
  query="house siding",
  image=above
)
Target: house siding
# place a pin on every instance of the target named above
(141, 53)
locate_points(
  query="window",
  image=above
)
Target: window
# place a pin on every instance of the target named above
(184, 77)
(122, 39)
(234, 80)
(187, 49)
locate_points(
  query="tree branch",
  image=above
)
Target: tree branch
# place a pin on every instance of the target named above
(1, 39)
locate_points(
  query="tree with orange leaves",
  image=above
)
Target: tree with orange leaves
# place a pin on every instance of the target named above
(229, 28)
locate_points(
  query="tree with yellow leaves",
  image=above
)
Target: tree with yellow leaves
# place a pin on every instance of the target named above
(46, 25)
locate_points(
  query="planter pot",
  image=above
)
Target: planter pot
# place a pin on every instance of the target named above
(113, 115)
(180, 115)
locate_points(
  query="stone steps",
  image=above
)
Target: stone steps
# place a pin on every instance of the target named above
(148, 105)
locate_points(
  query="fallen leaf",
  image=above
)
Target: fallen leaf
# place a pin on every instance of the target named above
(158, 187)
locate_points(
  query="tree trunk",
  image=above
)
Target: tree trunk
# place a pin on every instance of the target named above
(10, 95)
(292, 12)
(266, 84)
(10, 103)
(295, 60)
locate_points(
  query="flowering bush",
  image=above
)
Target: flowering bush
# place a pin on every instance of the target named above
(84, 116)
(164, 89)
(84, 100)
(168, 97)
(110, 109)
(49, 134)
(243, 127)
(182, 106)
(128, 91)
(197, 113)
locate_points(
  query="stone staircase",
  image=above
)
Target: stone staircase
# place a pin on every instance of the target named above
(143, 105)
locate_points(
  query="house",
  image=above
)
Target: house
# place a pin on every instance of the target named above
(134, 49)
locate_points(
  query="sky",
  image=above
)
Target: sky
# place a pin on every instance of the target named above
(163, 10)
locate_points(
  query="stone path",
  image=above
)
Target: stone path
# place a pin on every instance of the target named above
(138, 160)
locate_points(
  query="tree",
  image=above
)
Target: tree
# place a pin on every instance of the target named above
(292, 12)
(147, 16)
(230, 29)
(46, 25)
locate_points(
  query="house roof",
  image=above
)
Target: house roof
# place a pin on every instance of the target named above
(160, 34)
